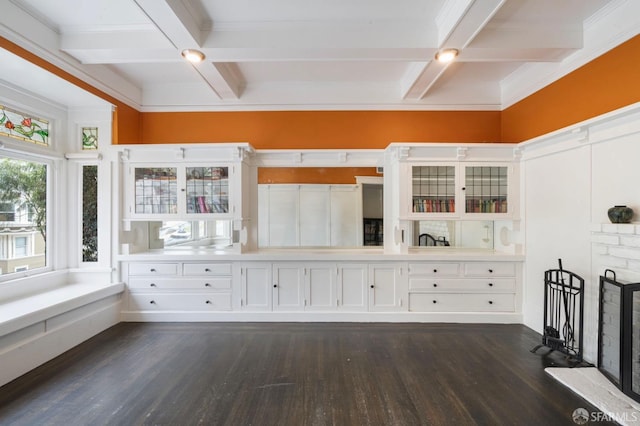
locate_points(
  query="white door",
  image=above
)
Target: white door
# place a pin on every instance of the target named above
(346, 215)
(352, 287)
(320, 284)
(387, 287)
(256, 286)
(288, 287)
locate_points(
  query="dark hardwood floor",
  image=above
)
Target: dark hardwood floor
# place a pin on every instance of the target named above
(294, 374)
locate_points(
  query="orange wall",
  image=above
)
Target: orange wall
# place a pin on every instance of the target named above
(330, 175)
(609, 82)
(321, 129)
(126, 119)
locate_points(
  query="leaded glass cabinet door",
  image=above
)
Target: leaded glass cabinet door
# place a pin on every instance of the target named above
(207, 190)
(486, 189)
(433, 189)
(155, 191)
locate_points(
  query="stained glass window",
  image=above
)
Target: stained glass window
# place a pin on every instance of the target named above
(20, 125)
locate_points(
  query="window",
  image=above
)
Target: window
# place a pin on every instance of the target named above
(20, 246)
(23, 192)
(198, 233)
(89, 213)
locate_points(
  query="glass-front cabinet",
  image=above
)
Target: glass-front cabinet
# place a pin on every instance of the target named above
(459, 190)
(179, 191)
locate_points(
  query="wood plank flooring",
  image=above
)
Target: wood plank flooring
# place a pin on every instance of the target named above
(294, 374)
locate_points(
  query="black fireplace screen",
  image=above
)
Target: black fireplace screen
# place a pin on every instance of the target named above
(563, 313)
(619, 333)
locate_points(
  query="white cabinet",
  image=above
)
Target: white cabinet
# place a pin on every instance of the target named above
(256, 286)
(288, 287)
(463, 287)
(156, 191)
(387, 287)
(178, 286)
(320, 287)
(453, 190)
(352, 287)
(309, 215)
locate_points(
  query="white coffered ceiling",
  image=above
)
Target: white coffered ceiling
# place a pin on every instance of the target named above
(318, 54)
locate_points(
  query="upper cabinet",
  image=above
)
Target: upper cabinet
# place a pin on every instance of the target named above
(195, 182)
(442, 181)
(179, 191)
(455, 190)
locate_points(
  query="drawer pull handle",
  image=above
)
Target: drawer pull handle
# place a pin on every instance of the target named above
(491, 271)
(435, 301)
(152, 285)
(435, 285)
(491, 302)
(490, 284)
(207, 270)
(152, 269)
(208, 302)
(153, 302)
(209, 285)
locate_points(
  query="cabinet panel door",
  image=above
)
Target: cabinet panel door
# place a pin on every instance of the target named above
(352, 287)
(288, 290)
(387, 288)
(346, 216)
(256, 287)
(320, 287)
(314, 215)
(283, 216)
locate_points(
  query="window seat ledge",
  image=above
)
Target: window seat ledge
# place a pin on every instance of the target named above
(23, 312)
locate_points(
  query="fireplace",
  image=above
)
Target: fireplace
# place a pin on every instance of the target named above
(619, 333)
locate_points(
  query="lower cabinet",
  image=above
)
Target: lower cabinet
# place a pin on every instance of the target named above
(265, 286)
(463, 287)
(388, 287)
(178, 286)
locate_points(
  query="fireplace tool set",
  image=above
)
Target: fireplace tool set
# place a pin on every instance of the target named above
(563, 313)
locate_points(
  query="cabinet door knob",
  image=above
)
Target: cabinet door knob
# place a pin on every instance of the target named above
(275, 285)
(207, 270)
(371, 285)
(491, 271)
(490, 284)
(153, 302)
(208, 302)
(491, 302)
(207, 285)
(152, 285)
(464, 188)
(435, 285)
(435, 301)
(152, 270)
(435, 270)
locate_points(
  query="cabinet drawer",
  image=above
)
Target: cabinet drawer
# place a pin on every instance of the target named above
(461, 284)
(435, 269)
(214, 283)
(153, 268)
(180, 302)
(450, 302)
(207, 269)
(486, 269)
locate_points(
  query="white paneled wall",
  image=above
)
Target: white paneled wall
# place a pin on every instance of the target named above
(571, 178)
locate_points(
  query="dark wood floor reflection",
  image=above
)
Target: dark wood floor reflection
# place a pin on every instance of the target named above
(294, 374)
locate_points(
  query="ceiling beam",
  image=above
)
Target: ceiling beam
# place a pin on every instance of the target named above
(459, 21)
(184, 31)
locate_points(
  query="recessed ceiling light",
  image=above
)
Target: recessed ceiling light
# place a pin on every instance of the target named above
(193, 55)
(446, 55)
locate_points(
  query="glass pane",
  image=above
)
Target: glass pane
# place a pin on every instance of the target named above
(453, 233)
(610, 337)
(433, 189)
(199, 234)
(23, 189)
(207, 189)
(486, 189)
(635, 343)
(89, 213)
(156, 190)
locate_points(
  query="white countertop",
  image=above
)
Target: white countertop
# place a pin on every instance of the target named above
(328, 254)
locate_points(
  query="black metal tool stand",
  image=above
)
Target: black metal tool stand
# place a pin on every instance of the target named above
(563, 314)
